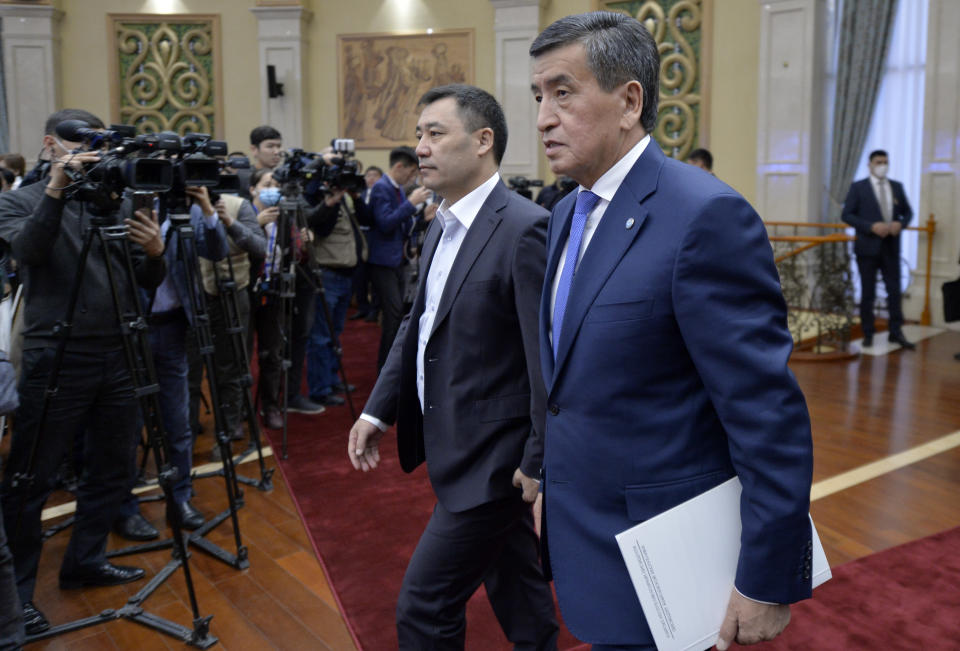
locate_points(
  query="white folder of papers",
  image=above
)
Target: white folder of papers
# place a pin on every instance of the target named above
(683, 563)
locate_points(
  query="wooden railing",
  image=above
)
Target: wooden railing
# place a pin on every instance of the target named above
(810, 241)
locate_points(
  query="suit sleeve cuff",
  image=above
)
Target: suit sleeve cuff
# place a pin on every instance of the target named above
(373, 420)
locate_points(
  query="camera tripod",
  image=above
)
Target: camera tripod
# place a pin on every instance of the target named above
(227, 298)
(139, 361)
(281, 287)
(187, 261)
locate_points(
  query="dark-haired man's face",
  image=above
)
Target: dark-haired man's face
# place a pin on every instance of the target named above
(583, 127)
(451, 158)
(267, 153)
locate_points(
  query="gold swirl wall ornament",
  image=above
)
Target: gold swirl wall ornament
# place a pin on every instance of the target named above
(166, 72)
(681, 29)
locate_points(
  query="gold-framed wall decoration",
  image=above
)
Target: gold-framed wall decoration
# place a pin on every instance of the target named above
(683, 30)
(381, 78)
(165, 72)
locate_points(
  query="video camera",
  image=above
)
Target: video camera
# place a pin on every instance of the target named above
(315, 176)
(161, 163)
(521, 185)
(128, 163)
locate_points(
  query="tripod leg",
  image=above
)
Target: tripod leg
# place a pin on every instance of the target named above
(232, 319)
(139, 359)
(187, 257)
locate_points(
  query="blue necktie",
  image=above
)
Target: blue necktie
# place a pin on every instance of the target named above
(586, 201)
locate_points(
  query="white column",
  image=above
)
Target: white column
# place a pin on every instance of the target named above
(940, 181)
(284, 44)
(516, 24)
(31, 72)
(790, 116)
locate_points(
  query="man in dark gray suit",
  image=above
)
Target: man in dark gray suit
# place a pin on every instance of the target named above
(462, 383)
(878, 209)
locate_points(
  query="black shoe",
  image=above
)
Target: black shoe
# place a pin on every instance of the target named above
(339, 388)
(300, 404)
(900, 339)
(135, 527)
(272, 418)
(190, 518)
(329, 400)
(867, 341)
(33, 620)
(106, 574)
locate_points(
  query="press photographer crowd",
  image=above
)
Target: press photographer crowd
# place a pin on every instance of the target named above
(136, 264)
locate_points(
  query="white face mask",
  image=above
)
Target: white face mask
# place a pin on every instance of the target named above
(880, 171)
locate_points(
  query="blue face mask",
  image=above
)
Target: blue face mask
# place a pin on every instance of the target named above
(270, 196)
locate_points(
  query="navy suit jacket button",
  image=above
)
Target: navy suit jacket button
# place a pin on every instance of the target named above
(554, 410)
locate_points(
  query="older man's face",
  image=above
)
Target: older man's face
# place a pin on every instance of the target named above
(581, 125)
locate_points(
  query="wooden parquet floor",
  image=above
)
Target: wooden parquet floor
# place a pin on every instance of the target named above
(863, 411)
(283, 601)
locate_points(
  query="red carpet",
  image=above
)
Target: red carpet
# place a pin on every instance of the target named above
(365, 526)
(907, 597)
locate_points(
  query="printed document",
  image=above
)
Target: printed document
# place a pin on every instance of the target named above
(683, 563)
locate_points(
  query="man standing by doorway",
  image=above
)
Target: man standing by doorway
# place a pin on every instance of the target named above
(878, 209)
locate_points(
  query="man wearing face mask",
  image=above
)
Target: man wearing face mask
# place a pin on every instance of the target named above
(878, 209)
(44, 231)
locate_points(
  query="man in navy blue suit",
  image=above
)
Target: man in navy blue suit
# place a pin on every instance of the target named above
(878, 209)
(663, 345)
(392, 218)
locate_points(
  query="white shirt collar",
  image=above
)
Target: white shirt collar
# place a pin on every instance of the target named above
(465, 210)
(392, 182)
(608, 184)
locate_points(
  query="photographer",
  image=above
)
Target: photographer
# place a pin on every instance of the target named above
(267, 313)
(266, 150)
(45, 232)
(246, 240)
(549, 196)
(392, 219)
(171, 316)
(337, 247)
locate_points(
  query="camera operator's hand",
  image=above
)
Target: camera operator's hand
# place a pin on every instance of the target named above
(58, 175)
(145, 231)
(268, 215)
(430, 211)
(419, 195)
(223, 214)
(334, 197)
(201, 197)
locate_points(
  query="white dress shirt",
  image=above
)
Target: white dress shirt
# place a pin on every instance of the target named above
(455, 220)
(605, 187)
(884, 195)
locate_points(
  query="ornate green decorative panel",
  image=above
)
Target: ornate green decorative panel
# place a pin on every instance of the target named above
(682, 31)
(167, 73)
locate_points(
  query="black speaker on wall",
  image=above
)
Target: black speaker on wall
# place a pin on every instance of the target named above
(273, 88)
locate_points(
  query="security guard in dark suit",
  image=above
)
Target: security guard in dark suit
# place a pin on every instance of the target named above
(878, 208)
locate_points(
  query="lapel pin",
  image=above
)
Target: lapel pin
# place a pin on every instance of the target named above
(630, 223)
